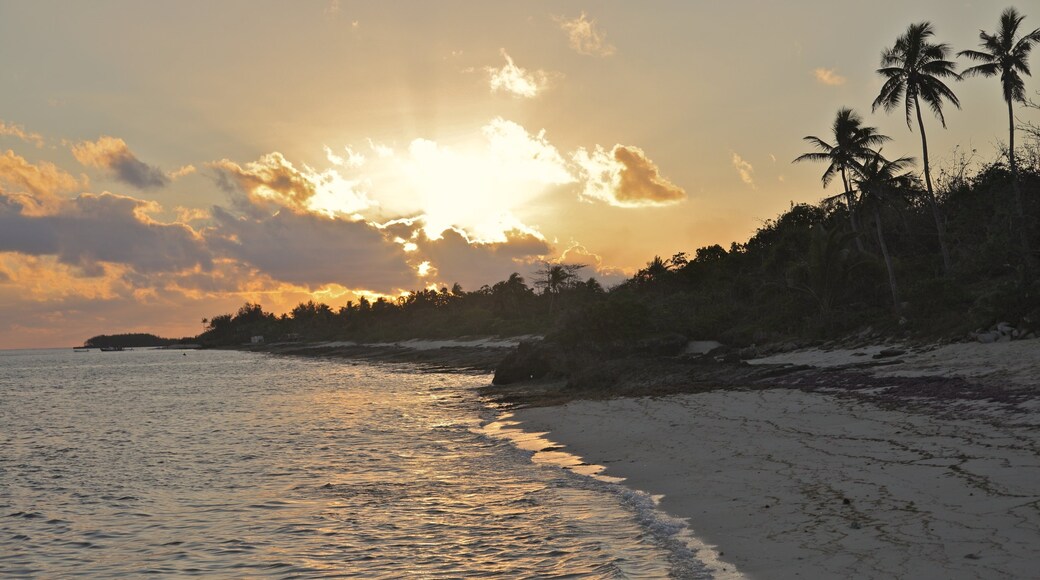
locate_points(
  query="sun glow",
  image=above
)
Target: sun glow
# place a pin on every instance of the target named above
(478, 188)
(477, 184)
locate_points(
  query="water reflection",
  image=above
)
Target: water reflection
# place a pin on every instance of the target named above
(234, 464)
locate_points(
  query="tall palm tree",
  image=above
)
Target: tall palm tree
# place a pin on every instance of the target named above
(915, 69)
(877, 178)
(852, 141)
(1006, 55)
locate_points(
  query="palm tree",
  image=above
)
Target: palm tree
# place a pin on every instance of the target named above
(554, 278)
(1007, 56)
(914, 69)
(877, 178)
(852, 141)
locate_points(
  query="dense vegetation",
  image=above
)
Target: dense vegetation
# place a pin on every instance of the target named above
(134, 340)
(940, 253)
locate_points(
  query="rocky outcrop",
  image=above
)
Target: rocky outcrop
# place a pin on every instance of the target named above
(1004, 332)
(530, 361)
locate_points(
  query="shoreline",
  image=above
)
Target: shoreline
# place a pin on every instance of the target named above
(477, 355)
(875, 462)
(829, 464)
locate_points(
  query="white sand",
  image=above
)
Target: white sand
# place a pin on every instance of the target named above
(1017, 363)
(763, 475)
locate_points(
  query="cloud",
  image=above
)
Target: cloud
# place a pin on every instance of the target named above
(829, 77)
(584, 37)
(353, 158)
(625, 177)
(91, 230)
(455, 258)
(578, 254)
(746, 171)
(20, 132)
(312, 249)
(112, 154)
(37, 186)
(516, 81)
(272, 179)
(186, 170)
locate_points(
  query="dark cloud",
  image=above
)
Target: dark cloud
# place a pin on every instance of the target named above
(91, 229)
(113, 154)
(472, 265)
(313, 250)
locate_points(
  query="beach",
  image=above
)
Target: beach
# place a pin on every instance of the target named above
(789, 482)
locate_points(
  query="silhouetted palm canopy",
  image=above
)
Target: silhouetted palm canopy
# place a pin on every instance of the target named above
(852, 141)
(878, 177)
(915, 69)
(1005, 55)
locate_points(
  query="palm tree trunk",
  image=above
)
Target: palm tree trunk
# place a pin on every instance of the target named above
(850, 200)
(1020, 214)
(888, 261)
(940, 224)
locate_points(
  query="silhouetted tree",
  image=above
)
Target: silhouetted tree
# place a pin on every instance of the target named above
(852, 142)
(877, 178)
(914, 69)
(1005, 54)
(553, 278)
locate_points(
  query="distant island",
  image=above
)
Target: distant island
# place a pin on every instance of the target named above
(132, 340)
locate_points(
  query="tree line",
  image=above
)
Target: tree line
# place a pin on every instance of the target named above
(938, 252)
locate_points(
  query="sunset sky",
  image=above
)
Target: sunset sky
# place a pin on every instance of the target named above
(165, 162)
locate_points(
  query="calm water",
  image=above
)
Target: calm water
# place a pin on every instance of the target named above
(243, 465)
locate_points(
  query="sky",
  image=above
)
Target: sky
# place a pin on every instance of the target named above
(161, 163)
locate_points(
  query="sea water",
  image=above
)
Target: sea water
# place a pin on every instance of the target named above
(234, 464)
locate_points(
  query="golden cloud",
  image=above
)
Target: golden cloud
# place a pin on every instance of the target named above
(745, 170)
(584, 37)
(516, 81)
(34, 187)
(625, 177)
(20, 132)
(272, 179)
(828, 77)
(112, 153)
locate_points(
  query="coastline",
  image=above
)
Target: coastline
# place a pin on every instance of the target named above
(831, 463)
(465, 355)
(870, 462)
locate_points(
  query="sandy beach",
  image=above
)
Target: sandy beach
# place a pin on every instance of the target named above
(788, 483)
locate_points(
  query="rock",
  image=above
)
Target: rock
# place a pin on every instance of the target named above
(987, 337)
(529, 361)
(1004, 338)
(1004, 328)
(889, 352)
(697, 347)
(748, 352)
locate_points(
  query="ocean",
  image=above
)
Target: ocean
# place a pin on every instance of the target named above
(233, 464)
